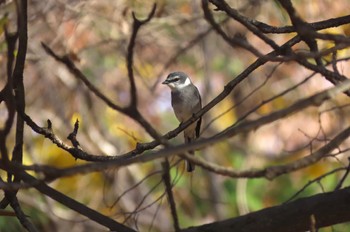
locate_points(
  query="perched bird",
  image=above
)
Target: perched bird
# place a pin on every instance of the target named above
(185, 100)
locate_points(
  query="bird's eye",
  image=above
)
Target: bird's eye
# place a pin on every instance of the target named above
(175, 79)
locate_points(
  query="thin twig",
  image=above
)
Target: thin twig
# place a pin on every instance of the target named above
(79, 75)
(73, 136)
(134, 187)
(341, 182)
(312, 182)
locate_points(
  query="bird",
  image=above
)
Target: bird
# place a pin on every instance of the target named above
(186, 101)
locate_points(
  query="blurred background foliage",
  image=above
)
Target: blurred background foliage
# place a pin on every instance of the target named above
(95, 34)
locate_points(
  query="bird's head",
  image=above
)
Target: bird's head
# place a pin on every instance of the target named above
(177, 80)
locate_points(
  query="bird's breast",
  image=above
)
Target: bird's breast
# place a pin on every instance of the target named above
(185, 104)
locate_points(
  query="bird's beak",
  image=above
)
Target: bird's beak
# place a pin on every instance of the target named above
(165, 82)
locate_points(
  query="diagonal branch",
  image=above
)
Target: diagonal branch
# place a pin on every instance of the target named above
(74, 205)
(334, 22)
(304, 30)
(233, 13)
(274, 171)
(234, 41)
(78, 74)
(328, 209)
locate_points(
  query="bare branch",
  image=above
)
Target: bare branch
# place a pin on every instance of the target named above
(235, 41)
(313, 181)
(74, 205)
(79, 75)
(73, 136)
(222, 5)
(136, 26)
(18, 85)
(329, 23)
(341, 182)
(275, 171)
(328, 209)
(168, 188)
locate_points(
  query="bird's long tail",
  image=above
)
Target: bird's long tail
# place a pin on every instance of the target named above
(189, 166)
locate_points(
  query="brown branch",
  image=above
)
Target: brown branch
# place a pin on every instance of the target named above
(304, 30)
(335, 22)
(234, 41)
(318, 179)
(130, 110)
(233, 13)
(308, 34)
(18, 86)
(6, 93)
(15, 84)
(341, 182)
(327, 208)
(274, 171)
(333, 77)
(7, 96)
(126, 192)
(168, 188)
(314, 100)
(79, 75)
(73, 205)
(73, 136)
(15, 186)
(274, 97)
(136, 26)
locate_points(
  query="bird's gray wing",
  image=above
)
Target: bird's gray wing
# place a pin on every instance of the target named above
(199, 122)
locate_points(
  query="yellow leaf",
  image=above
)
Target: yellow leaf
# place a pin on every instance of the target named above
(316, 170)
(224, 114)
(76, 116)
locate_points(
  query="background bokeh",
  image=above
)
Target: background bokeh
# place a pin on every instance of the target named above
(95, 34)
